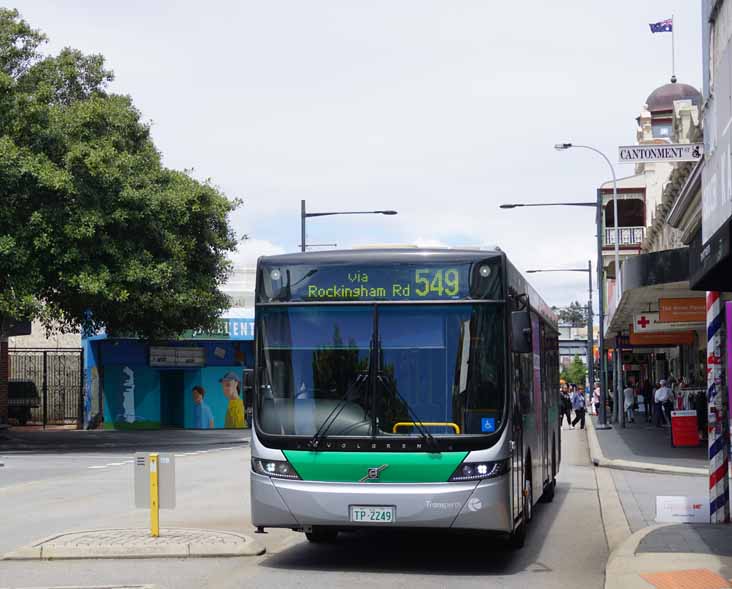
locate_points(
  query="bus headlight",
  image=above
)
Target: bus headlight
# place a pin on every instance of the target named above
(274, 468)
(474, 471)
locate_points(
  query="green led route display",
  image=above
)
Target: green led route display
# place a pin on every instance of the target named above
(396, 282)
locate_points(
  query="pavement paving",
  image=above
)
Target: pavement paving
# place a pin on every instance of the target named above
(678, 556)
(138, 543)
(643, 447)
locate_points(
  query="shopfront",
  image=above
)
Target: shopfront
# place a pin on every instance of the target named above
(200, 381)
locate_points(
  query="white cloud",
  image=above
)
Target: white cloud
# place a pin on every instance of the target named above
(251, 249)
(438, 110)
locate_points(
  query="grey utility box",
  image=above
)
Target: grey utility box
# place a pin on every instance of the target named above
(166, 480)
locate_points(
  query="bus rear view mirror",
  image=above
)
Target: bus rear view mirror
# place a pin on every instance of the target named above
(521, 332)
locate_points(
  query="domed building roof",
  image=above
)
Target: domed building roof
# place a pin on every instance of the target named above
(663, 97)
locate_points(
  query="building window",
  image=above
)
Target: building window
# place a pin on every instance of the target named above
(662, 130)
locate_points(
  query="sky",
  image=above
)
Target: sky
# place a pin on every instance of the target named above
(441, 110)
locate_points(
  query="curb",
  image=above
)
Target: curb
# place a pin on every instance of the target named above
(624, 567)
(614, 522)
(598, 459)
(240, 545)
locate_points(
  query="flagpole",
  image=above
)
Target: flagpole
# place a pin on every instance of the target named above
(673, 50)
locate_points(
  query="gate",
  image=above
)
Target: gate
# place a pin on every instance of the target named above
(57, 375)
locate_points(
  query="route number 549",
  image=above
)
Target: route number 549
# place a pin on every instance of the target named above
(438, 282)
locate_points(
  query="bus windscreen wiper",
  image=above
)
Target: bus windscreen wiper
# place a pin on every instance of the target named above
(426, 436)
(336, 411)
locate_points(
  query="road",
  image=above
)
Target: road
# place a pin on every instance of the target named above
(566, 545)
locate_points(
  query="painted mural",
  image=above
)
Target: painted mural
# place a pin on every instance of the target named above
(138, 396)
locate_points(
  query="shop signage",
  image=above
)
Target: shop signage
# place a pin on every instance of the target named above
(682, 509)
(651, 323)
(717, 171)
(177, 357)
(668, 152)
(682, 310)
(661, 338)
(241, 328)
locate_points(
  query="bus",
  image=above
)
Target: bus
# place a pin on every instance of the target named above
(410, 388)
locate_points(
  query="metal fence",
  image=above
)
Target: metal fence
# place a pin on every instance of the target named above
(58, 376)
(628, 235)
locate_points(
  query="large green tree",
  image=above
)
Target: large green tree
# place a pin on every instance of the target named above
(94, 231)
(576, 372)
(575, 315)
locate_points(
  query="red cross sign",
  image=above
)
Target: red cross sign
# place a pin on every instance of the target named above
(643, 322)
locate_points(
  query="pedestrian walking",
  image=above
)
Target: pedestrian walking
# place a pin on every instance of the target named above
(566, 408)
(596, 398)
(628, 402)
(661, 398)
(578, 404)
(647, 392)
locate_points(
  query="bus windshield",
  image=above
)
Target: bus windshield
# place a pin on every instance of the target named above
(358, 371)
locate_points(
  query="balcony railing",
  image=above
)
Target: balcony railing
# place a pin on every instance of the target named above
(628, 235)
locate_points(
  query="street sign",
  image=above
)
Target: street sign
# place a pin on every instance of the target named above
(166, 480)
(663, 152)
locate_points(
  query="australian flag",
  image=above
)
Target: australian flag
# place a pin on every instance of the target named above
(665, 26)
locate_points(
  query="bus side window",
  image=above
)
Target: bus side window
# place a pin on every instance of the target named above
(522, 381)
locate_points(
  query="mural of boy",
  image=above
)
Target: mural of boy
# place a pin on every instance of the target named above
(202, 416)
(230, 384)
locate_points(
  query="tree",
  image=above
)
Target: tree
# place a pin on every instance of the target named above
(574, 315)
(576, 372)
(94, 231)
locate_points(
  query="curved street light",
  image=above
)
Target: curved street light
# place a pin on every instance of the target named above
(305, 215)
(600, 294)
(618, 368)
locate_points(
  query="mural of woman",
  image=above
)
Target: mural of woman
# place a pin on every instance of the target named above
(202, 416)
(230, 384)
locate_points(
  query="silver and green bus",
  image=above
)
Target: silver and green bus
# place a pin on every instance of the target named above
(413, 388)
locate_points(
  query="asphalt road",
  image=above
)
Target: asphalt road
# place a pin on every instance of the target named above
(566, 545)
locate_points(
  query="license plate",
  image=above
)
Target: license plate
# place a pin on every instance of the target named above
(373, 514)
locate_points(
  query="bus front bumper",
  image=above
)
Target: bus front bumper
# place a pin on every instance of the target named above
(483, 505)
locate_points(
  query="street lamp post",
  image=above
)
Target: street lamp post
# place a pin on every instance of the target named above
(304, 215)
(590, 338)
(618, 367)
(600, 294)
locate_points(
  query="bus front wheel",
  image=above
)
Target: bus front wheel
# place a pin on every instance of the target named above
(321, 535)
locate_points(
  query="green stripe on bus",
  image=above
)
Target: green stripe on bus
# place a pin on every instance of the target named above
(352, 467)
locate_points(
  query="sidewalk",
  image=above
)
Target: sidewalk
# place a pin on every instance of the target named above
(645, 448)
(642, 464)
(673, 556)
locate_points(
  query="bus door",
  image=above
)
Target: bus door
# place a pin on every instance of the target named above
(539, 450)
(546, 406)
(517, 426)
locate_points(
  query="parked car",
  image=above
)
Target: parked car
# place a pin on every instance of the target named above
(22, 397)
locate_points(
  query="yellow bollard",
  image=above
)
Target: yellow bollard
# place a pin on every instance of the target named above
(154, 497)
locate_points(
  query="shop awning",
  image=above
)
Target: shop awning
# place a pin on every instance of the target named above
(646, 279)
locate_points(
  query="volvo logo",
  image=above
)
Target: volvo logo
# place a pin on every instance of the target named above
(373, 473)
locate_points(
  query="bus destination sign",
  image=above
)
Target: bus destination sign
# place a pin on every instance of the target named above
(423, 283)
(399, 282)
